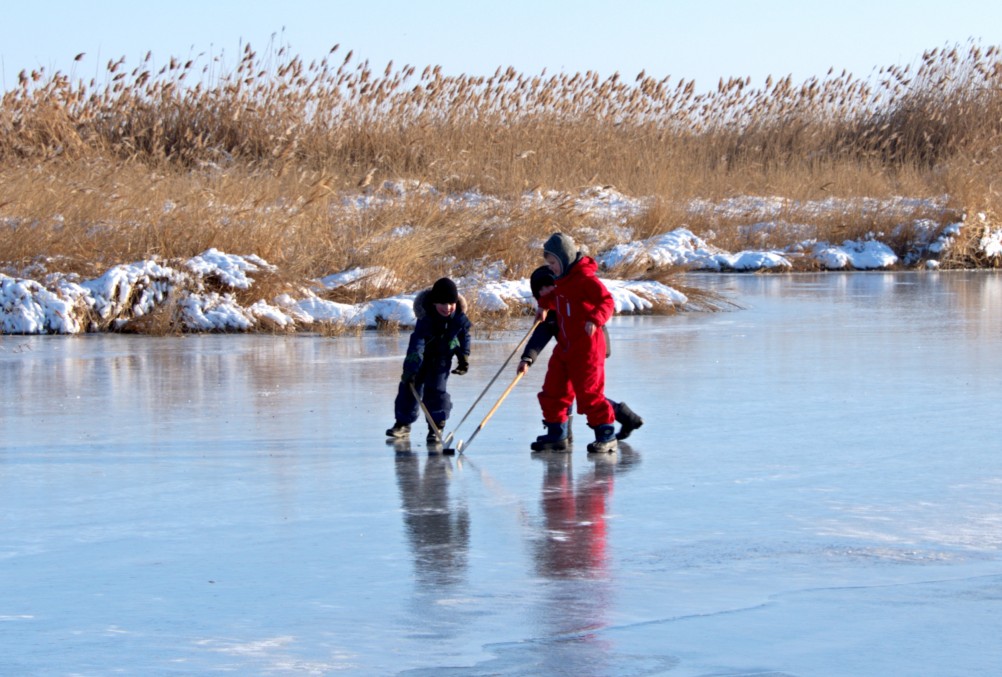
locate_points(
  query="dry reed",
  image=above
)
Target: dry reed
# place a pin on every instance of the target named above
(267, 158)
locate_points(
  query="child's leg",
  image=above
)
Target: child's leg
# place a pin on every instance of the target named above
(557, 394)
(405, 407)
(589, 379)
(553, 400)
(589, 385)
(436, 397)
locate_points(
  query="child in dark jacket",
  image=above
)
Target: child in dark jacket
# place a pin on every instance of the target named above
(542, 283)
(442, 331)
(576, 369)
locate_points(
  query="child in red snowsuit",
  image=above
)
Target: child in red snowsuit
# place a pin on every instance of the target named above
(576, 369)
(541, 283)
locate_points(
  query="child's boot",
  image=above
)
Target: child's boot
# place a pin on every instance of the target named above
(555, 438)
(399, 430)
(605, 440)
(628, 420)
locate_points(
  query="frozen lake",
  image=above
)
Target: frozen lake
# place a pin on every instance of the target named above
(817, 491)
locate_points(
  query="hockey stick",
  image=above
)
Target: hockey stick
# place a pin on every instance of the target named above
(490, 413)
(477, 401)
(431, 421)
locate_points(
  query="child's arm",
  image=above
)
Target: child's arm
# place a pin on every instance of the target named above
(541, 335)
(602, 304)
(415, 350)
(462, 350)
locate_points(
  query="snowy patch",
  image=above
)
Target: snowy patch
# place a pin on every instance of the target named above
(374, 276)
(636, 297)
(857, 254)
(990, 243)
(497, 295)
(130, 291)
(599, 202)
(230, 270)
(628, 296)
(750, 260)
(766, 207)
(26, 307)
(215, 312)
(945, 239)
(680, 247)
(313, 309)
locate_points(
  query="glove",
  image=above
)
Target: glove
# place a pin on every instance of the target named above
(409, 378)
(462, 367)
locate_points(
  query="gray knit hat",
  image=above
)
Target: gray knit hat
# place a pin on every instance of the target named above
(563, 248)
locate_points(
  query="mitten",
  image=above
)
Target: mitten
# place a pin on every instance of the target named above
(462, 367)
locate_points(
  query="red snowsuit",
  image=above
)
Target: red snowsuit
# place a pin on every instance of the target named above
(577, 366)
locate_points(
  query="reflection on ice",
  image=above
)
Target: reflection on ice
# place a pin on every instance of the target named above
(574, 531)
(439, 531)
(571, 550)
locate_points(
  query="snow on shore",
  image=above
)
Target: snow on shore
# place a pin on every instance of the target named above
(203, 290)
(128, 292)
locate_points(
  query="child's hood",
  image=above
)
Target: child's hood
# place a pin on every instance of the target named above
(423, 307)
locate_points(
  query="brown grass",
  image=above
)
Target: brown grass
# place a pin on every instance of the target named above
(264, 159)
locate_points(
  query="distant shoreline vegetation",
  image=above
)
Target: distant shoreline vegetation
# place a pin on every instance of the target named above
(328, 167)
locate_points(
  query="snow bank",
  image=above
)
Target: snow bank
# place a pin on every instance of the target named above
(681, 247)
(857, 254)
(205, 291)
(229, 270)
(129, 292)
(26, 307)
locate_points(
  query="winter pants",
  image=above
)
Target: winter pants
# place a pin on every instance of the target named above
(576, 374)
(431, 387)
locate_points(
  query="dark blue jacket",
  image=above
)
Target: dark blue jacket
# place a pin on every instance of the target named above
(436, 339)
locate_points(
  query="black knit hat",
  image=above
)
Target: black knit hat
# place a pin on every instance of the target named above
(444, 291)
(541, 277)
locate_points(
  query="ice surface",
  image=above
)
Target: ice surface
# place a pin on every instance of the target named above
(817, 490)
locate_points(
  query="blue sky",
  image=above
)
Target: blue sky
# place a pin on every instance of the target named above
(702, 40)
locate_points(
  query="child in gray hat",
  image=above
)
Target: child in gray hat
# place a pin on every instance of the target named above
(576, 369)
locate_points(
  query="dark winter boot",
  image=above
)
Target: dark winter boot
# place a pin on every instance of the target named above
(628, 420)
(399, 430)
(605, 440)
(555, 438)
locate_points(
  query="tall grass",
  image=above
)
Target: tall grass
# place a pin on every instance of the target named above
(170, 161)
